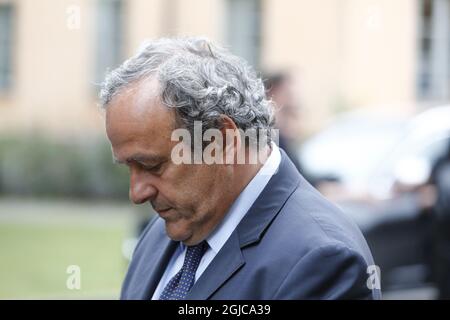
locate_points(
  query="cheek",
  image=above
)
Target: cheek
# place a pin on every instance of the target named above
(209, 184)
(193, 189)
(179, 186)
(196, 185)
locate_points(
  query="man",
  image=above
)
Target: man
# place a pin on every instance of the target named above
(280, 89)
(225, 229)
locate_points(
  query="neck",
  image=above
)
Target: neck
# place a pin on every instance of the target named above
(244, 173)
(241, 175)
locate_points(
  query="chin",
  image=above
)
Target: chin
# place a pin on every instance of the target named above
(176, 231)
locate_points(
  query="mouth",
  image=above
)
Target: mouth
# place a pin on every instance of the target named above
(163, 212)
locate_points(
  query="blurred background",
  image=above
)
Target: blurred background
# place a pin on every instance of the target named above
(361, 88)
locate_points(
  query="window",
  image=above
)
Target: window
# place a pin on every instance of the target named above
(109, 39)
(5, 46)
(244, 29)
(433, 80)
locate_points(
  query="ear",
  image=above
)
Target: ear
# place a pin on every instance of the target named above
(231, 138)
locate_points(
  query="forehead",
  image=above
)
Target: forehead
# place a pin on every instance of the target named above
(137, 121)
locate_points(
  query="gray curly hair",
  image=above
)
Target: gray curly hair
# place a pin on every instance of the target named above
(202, 80)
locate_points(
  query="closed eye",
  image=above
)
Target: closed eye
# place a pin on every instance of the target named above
(154, 168)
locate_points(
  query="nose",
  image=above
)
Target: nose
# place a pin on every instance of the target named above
(141, 187)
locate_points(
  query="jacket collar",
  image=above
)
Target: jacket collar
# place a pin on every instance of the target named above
(250, 230)
(269, 202)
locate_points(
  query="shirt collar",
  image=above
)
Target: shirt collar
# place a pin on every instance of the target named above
(244, 201)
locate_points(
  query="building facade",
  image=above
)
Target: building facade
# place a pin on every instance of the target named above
(347, 54)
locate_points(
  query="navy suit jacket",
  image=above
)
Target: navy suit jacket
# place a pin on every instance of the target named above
(291, 244)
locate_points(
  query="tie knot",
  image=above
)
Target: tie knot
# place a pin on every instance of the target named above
(181, 283)
(194, 255)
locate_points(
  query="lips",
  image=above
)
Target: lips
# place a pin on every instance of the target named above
(158, 208)
(161, 212)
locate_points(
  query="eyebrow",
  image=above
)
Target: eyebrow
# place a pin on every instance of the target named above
(141, 158)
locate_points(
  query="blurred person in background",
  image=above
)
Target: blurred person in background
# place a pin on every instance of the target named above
(280, 89)
(223, 230)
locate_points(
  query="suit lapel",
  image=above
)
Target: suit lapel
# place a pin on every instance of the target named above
(269, 202)
(156, 259)
(227, 261)
(250, 230)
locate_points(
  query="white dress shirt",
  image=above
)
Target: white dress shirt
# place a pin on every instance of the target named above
(223, 231)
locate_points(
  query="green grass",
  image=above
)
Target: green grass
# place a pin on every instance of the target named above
(34, 258)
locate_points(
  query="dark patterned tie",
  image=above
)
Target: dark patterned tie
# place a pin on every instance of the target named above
(181, 283)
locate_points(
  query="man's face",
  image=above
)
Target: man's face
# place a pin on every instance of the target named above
(187, 196)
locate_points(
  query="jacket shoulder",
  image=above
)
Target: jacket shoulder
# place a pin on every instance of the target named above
(308, 221)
